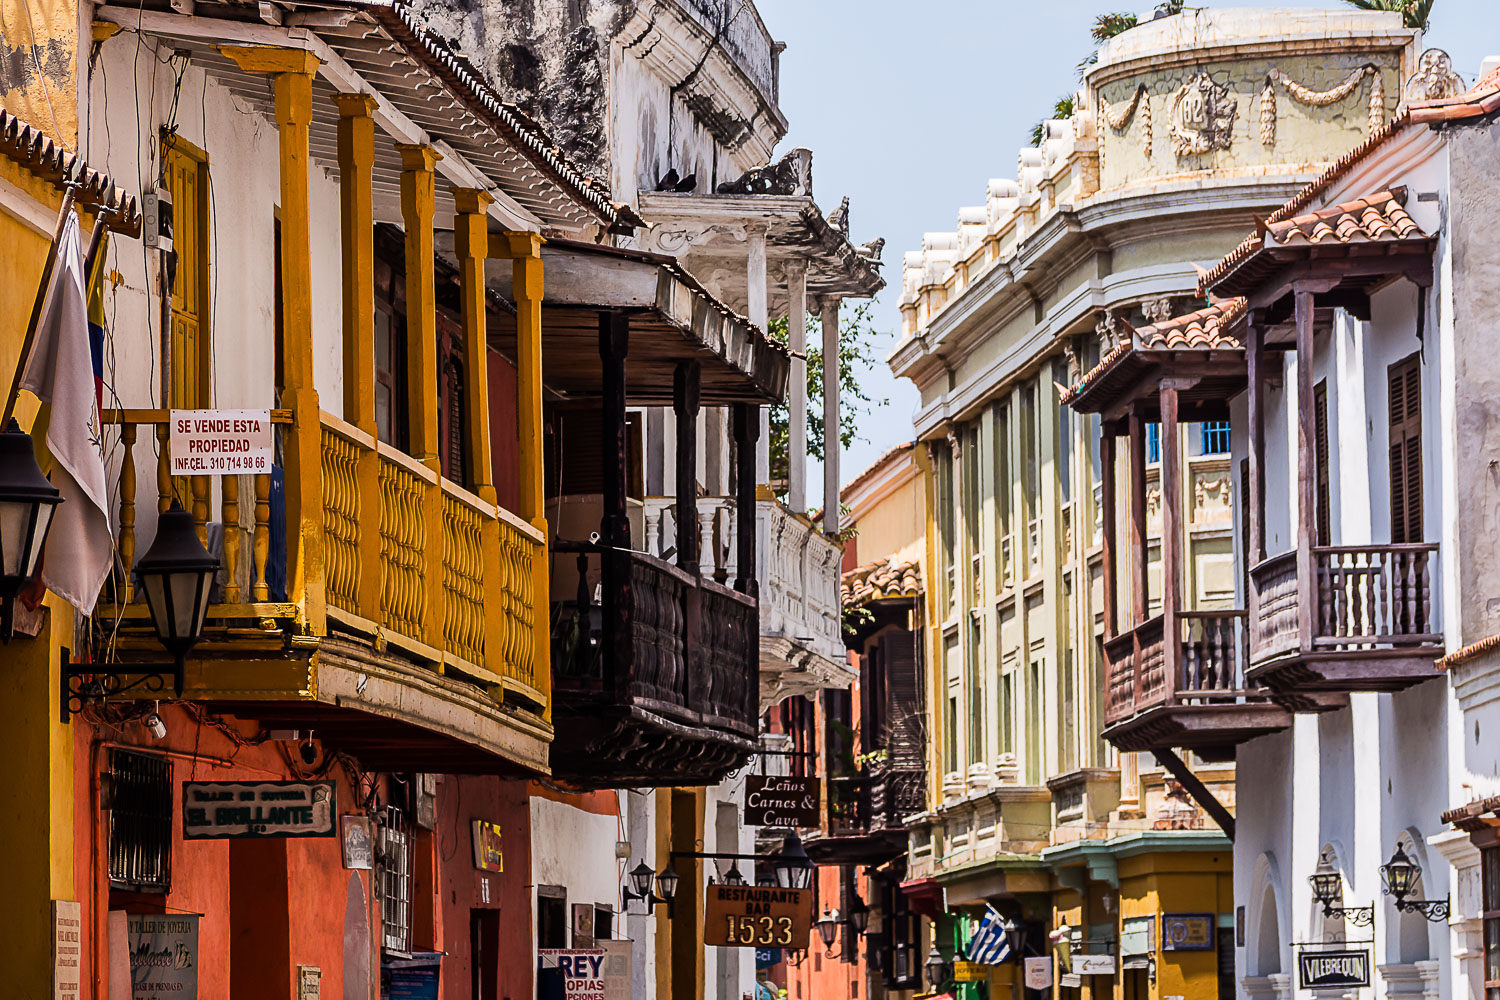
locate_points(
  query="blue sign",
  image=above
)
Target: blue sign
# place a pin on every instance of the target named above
(414, 978)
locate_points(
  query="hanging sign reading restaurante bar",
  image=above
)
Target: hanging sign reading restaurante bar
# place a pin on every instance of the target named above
(219, 442)
(747, 916)
(214, 810)
(783, 803)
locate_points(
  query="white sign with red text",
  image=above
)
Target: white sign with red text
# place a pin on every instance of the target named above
(220, 442)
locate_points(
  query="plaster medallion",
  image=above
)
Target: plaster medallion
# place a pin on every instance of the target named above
(1202, 117)
(1435, 79)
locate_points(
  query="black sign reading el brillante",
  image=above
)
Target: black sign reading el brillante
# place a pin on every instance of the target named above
(1328, 969)
(213, 810)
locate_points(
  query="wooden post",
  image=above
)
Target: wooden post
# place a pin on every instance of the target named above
(524, 251)
(471, 243)
(1108, 557)
(685, 406)
(418, 163)
(1255, 370)
(796, 475)
(830, 323)
(292, 73)
(1171, 536)
(356, 138)
(614, 527)
(755, 293)
(1140, 600)
(1306, 473)
(746, 431)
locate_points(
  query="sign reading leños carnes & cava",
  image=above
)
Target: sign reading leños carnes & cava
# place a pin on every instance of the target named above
(745, 916)
(781, 802)
(213, 810)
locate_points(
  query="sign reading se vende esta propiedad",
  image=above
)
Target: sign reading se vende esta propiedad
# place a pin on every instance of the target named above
(215, 810)
(781, 802)
(219, 442)
(747, 916)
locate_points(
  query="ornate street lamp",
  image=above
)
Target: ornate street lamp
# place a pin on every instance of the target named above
(733, 876)
(1328, 890)
(828, 929)
(1400, 876)
(1015, 934)
(27, 502)
(794, 869)
(858, 915)
(666, 883)
(640, 886)
(177, 573)
(937, 968)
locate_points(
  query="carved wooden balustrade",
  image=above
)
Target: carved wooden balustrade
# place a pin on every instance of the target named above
(866, 814)
(433, 569)
(1367, 621)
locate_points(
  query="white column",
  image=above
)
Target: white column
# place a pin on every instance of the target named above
(796, 293)
(831, 414)
(755, 295)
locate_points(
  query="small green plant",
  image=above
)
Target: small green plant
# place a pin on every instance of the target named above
(1414, 13)
(1061, 111)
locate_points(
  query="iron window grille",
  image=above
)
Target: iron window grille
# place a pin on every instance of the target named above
(1215, 437)
(140, 821)
(395, 886)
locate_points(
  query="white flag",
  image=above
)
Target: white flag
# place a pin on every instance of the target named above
(60, 371)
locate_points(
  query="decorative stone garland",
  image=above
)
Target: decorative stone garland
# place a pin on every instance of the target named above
(1320, 98)
(1118, 117)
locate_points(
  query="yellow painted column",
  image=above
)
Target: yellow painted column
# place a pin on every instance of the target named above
(357, 229)
(417, 196)
(524, 250)
(40, 831)
(471, 242)
(292, 72)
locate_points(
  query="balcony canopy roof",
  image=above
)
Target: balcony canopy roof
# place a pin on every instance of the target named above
(672, 319)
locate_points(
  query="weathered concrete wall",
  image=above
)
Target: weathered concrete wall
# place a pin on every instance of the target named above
(39, 65)
(1474, 212)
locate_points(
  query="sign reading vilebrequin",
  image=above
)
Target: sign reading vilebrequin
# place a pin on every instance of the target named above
(781, 802)
(219, 442)
(748, 916)
(1334, 969)
(215, 810)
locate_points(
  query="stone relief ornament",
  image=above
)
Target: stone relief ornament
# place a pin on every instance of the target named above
(1157, 310)
(1106, 328)
(1118, 117)
(1303, 94)
(1434, 79)
(790, 175)
(1202, 117)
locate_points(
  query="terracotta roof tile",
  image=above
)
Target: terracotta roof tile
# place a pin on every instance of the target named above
(1204, 329)
(881, 581)
(42, 155)
(1377, 218)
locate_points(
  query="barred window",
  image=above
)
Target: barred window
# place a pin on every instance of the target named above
(140, 821)
(395, 888)
(1215, 437)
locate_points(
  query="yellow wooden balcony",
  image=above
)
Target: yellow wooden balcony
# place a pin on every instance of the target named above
(403, 597)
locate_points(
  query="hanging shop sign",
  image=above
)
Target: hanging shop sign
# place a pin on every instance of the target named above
(1093, 965)
(357, 836)
(163, 955)
(746, 916)
(414, 978)
(219, 442)
(970, 972)
(215, 810)
(781, 802)
(1333, 969)
(487, 854)
(1187, 932)
(1039, 973)
(584, 973)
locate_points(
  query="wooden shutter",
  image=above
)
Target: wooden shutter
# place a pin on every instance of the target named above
(1405, 381)
(1323, 525)
(904, 721)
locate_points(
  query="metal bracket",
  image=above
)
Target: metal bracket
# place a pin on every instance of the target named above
(83, 683)
(1359, 916)
(1434, 910)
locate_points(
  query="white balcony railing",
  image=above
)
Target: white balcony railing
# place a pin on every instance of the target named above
(802, 645)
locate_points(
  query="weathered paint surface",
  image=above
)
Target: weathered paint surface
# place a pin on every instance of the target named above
(38, 65)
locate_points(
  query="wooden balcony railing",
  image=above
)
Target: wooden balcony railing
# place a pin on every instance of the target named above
(1210, 664)
(1364, 598)
(691, 657)
(444, 575)
(874, 800)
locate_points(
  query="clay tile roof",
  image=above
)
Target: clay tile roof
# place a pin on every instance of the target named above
(1475, 815)
(39, 153)
(886, 580)
(1482, 99)
(1374, 219)
(1205, 329)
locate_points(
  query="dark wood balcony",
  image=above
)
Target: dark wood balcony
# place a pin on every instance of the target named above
(865, 816)
(1184, 686)
(1365, 623)
(675, 702)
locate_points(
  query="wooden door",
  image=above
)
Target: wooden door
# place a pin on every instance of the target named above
(187, 180)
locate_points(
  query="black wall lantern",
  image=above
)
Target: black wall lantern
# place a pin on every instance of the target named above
(640, 886)
(794, 869)
(177, 575)
(938, 969)
(1015, 934)
(1400, 876)
(27, 502)
(828, 929)
(858, 915)
(1328, 890)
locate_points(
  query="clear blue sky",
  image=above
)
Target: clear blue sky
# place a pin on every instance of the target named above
(909, 108)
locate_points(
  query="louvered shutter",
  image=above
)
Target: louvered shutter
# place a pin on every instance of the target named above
(1404, 379)
(1322, 521)
(904, 700)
